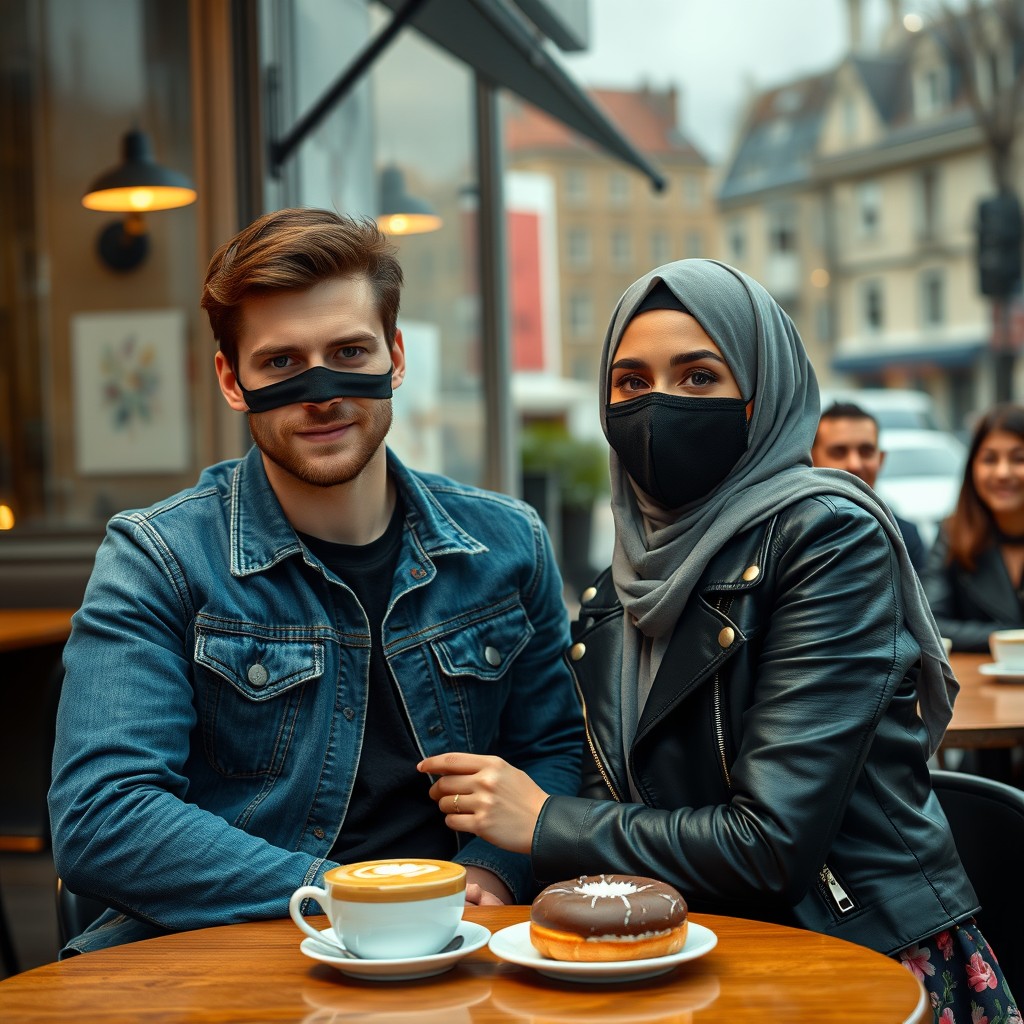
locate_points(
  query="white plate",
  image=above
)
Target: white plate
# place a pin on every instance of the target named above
(513, 944)
(326, 950)
(1000, 671)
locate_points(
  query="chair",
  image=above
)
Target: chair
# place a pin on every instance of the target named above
(74, 913)
(986, 819)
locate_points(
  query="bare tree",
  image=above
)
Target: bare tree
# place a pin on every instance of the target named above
(983, 40)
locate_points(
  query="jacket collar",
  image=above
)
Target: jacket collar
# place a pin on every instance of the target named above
(990, 586)
(261, 535)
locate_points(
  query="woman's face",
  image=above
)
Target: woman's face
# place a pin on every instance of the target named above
(998, 472)
(667, 351)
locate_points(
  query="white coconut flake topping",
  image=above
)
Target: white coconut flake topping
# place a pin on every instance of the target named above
(605, 888)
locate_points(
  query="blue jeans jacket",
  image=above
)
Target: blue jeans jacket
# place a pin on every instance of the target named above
(191, 788)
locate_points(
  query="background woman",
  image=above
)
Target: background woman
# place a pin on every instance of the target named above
(753, 662)
(974, 577)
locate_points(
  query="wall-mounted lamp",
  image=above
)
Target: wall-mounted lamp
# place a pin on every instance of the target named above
(138, 185)
(401, 213)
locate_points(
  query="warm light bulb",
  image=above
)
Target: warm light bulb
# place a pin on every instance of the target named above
(913, 22)
(141, 198)
(820, 277)
(6, 517)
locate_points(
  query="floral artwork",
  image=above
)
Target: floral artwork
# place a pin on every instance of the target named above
(131, 382)
(131, 408)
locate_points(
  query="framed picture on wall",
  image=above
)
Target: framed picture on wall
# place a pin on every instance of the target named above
(131, 403)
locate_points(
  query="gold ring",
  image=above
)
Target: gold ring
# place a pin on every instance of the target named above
(456, 805)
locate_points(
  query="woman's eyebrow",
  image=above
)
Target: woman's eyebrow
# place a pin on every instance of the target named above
(692, 357)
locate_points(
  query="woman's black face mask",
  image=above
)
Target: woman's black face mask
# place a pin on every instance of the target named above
(678, 449)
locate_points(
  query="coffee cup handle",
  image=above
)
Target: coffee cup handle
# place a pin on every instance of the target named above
(311, 892)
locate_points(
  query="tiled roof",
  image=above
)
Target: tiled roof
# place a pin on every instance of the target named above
(779, 137)
(645, 116)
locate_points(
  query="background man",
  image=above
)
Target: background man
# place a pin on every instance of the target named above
(261, 661)
(847, 439)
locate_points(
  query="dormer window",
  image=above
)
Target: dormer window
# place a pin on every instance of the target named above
(931, 91)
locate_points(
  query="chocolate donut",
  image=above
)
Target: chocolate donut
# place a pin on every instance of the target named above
(608, 917)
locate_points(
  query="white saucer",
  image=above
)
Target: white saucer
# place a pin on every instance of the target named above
(1000, 671)
(401, 969)
(513, 944)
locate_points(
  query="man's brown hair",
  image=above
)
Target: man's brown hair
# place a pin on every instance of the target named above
(294, 249)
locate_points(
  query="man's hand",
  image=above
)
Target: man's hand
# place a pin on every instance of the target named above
(486, 796)
(485, 889)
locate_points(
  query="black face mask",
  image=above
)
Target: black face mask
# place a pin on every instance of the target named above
(678, 449)
(317, 384)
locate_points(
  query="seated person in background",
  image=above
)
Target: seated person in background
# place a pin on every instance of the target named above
(847, 438)
(974, 577)
(260, 661)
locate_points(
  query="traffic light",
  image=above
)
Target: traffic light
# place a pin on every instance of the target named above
(999, 245)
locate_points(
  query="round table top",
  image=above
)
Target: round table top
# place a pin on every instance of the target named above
(256, 972)
(988, 711)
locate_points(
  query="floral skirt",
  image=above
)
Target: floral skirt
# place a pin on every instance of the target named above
(962, 977)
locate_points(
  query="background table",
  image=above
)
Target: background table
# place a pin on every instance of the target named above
(255, 972)
(987, 712)
(22, 628)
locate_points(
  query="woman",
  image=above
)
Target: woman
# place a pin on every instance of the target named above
(974, 578)
(752, 663)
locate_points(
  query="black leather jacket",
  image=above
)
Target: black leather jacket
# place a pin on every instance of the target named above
(968, 606)
(780, 756)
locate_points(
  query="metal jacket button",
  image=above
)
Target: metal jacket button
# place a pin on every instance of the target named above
(589, 594)
(751, 572)
(726, 637)
(258, 676)
(492, 657)
(577, 651)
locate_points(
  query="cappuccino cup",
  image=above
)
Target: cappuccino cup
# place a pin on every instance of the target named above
(1007, 647)
(388, 909)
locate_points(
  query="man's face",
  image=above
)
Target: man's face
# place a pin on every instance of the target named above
(333, 324)
(850, 444)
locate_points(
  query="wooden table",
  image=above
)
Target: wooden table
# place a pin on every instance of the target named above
(21, 628)
(987, 712)
(255, 972)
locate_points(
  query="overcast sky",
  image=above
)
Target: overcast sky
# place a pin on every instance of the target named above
(714, 51)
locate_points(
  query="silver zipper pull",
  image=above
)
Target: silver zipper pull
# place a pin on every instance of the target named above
(836, 891)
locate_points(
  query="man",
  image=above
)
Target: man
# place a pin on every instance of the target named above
(847, 438)
(261, 661)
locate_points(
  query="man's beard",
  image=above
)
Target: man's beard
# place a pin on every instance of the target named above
(333, 464)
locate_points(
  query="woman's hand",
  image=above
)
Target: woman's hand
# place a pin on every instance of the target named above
(486, 796)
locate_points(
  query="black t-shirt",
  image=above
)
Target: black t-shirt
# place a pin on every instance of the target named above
(389, 813)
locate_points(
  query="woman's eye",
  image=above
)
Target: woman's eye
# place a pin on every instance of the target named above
(702, 378)
(632, 384)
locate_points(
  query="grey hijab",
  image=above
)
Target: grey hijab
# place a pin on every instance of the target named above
(660, 554)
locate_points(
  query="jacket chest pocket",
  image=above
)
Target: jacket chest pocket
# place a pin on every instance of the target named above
(250, 685)
(476, 661)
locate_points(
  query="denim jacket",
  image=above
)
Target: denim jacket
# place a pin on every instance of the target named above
(215, 687)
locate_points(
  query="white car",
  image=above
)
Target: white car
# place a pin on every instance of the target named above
(894, 408)
(921, 476)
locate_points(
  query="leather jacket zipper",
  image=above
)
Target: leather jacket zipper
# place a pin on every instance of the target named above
(716, 700)
(830, 888)
(590, 742)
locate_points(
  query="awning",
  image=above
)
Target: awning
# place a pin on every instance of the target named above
(494, 38)
(944, 356)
